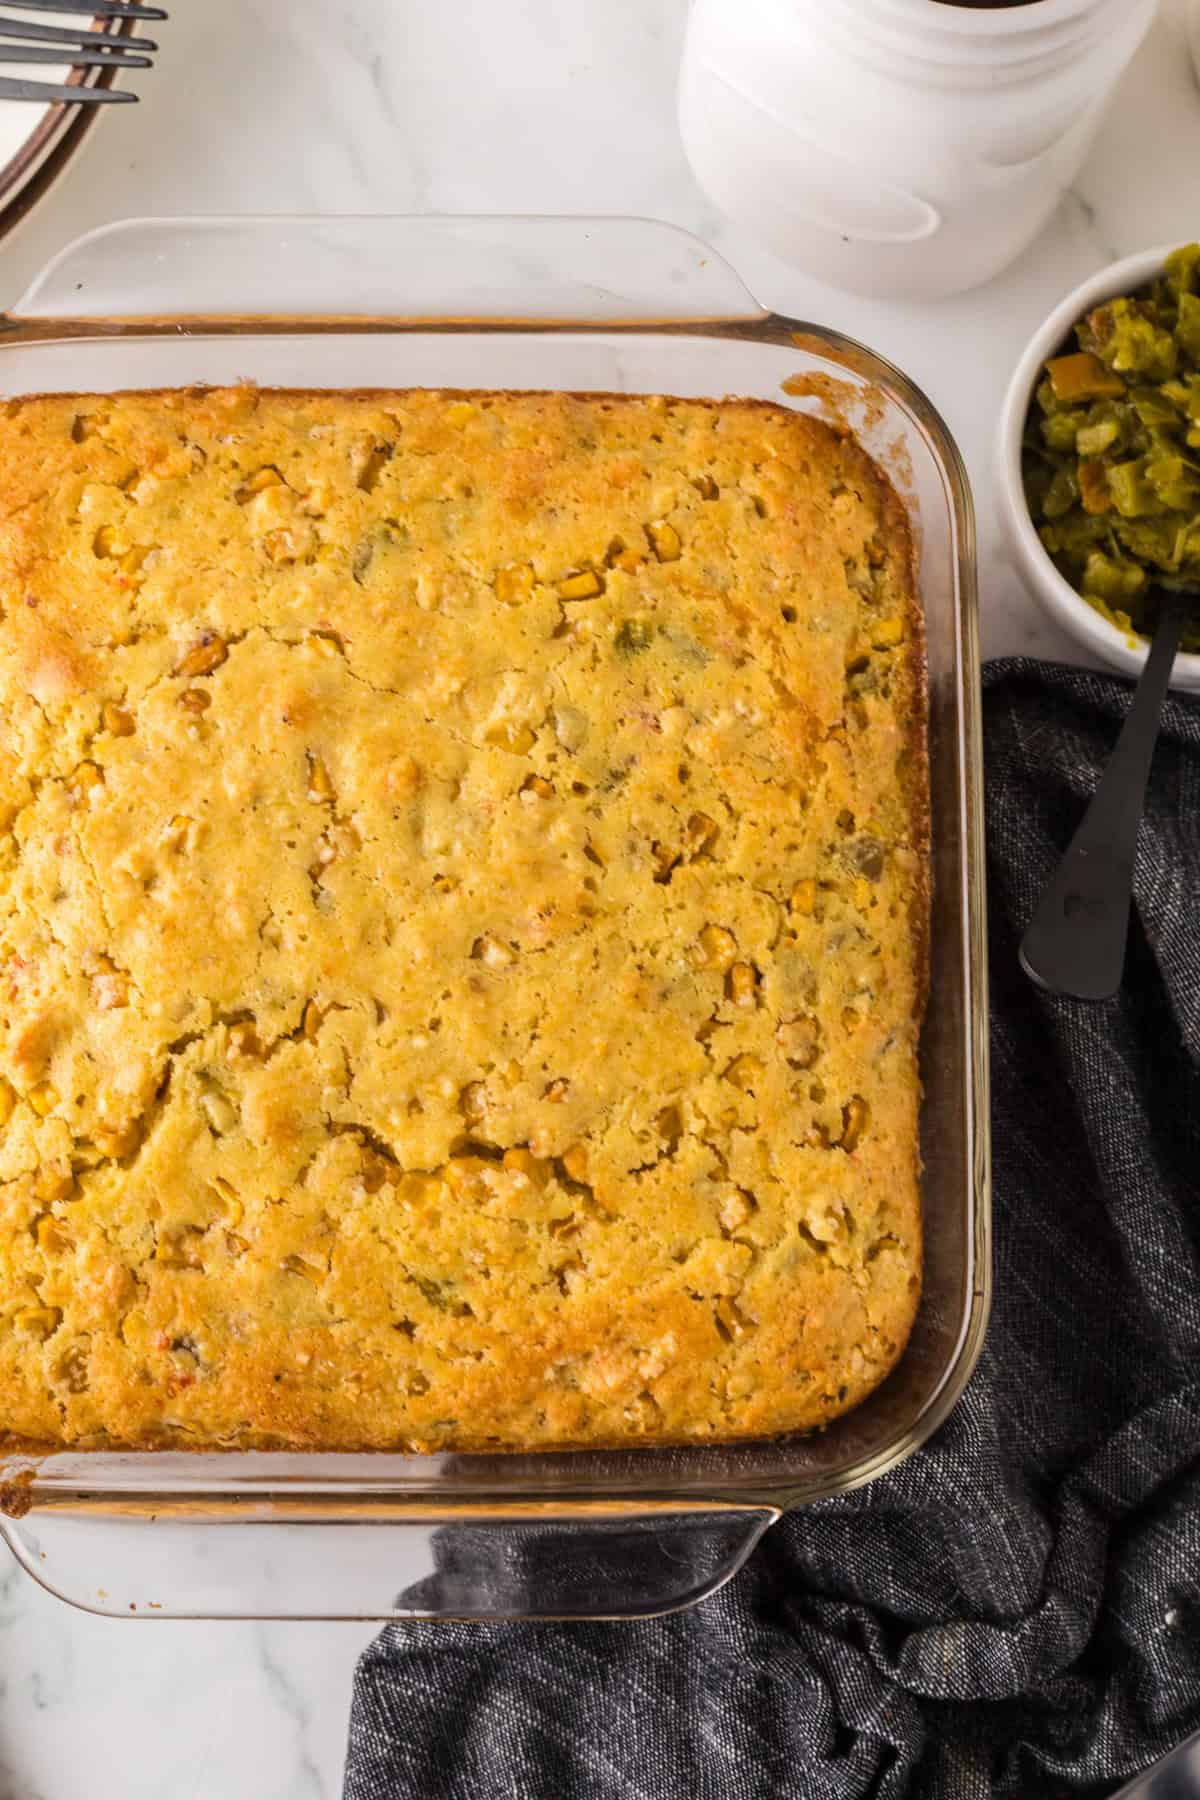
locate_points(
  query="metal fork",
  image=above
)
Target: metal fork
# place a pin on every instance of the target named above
(81, 47)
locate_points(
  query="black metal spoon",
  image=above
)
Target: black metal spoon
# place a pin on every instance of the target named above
(1076, 942)
(1176, 1776)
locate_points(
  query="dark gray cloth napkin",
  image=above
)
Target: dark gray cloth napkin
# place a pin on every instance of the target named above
(1016, 1610)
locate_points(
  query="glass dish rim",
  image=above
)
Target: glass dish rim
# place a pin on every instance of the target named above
(215, 1499)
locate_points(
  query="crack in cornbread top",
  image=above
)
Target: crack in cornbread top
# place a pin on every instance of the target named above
(462, 904)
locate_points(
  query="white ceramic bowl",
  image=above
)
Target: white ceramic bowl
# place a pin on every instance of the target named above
(1056, 594)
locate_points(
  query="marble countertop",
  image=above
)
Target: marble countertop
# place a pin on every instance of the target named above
(549, 106)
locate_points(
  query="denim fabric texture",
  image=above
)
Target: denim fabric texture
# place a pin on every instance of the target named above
(1016, 1610)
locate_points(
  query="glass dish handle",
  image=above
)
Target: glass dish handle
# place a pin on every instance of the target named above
(435, 267)
(130, 1559)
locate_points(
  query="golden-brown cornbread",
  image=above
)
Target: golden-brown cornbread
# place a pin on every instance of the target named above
(462, 915)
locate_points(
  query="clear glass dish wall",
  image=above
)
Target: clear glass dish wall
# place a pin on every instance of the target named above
(602, 304)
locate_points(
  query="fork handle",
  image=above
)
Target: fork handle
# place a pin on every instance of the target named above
(1076, 942)
(26, 29)
(114, 9)
(78, 59)
(47, 93)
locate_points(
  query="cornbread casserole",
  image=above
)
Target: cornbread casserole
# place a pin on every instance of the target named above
(463, 920)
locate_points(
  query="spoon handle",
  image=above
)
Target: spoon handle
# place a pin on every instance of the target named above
(1076, 942)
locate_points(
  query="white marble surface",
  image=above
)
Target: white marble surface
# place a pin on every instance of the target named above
(530, 106)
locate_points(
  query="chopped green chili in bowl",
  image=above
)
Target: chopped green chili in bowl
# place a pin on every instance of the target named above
(1111, 451)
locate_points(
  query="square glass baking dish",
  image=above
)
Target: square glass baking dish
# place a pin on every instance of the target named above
(605, 304)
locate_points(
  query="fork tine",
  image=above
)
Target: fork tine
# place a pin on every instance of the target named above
(114, 9)
(56, 34)
(13, 87)
(81, 59)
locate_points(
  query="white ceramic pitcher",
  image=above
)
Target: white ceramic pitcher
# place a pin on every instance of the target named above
(898, 147)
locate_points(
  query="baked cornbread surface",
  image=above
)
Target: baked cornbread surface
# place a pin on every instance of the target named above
(462, 908)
